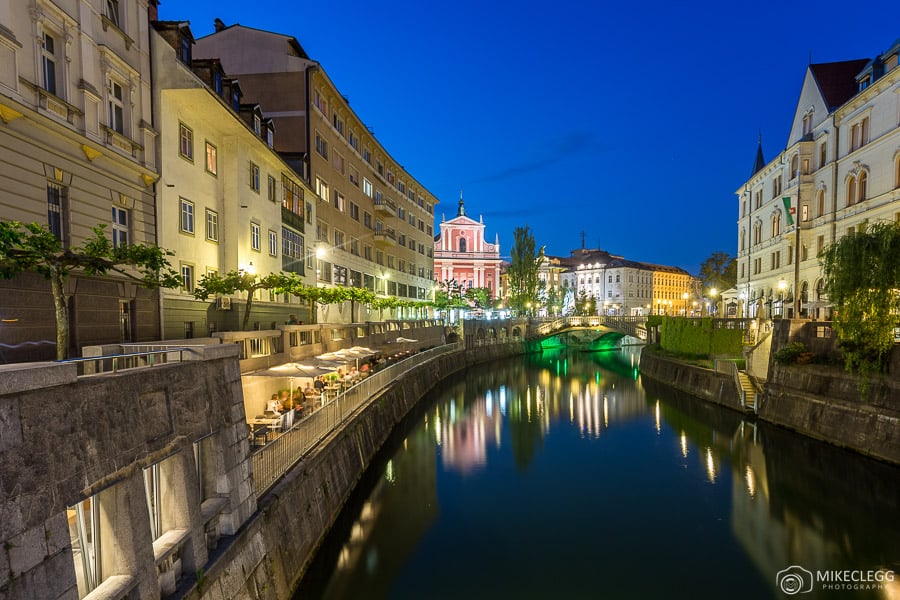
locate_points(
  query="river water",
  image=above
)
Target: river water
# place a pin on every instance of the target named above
(565, 475)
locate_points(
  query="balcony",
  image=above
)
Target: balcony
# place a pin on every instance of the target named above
(384, 206)
(385, 238)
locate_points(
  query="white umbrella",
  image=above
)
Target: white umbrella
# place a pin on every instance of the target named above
(291, 370)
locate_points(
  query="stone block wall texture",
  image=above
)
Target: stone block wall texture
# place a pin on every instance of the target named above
(62, 443)
(697, 381)
(270, 554)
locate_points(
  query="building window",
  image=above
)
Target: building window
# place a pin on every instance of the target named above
(187, 278)
(257, 124)
(776, 223)
(291, 251)
(292, 198)
(116, 107)
(367, 220)
(322, 189)
(354, 176)
(273, 243)
(212, 165)
(795, 166)
(84, 534)
(822, 154)
(863, 181)
(851, 191)
(367, 188)
(804, 212)
(212, 226)
(757, 233)
(48, 62)
(338, 123)
(120, 226)
(820, 203)
(187, 216)
(367, 156)
(354, 211)
(321, 145)
(271, 194)
(187, 142)
(354, 246)
(338, 239)
(254, 236)
(354, 141)
(254, 177)
(339, 201)
(57, 211)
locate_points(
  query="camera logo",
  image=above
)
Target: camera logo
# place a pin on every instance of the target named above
(794, 580)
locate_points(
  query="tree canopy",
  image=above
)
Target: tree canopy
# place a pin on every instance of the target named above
(862, 279)
(522, 274)
(719, 271)
(34, 248)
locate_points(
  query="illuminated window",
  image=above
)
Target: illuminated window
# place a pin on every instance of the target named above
(48, 62)
(254, 236)
(211, 159)
(116, 107)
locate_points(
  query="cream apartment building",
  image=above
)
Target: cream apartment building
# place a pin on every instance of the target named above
(77, 150)
(227, 201)
(839, 171)
(374, 220)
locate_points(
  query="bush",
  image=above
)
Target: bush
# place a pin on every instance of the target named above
(791, 354)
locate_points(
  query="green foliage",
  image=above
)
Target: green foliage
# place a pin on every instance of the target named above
(33, 248)
(862, 279)
(478, 297)
(522, 274)
(789, 354)
(584, 304)
(213, 284)
(719, 271)
(699, 337)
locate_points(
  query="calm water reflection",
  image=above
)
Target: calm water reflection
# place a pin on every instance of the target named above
(566, 476)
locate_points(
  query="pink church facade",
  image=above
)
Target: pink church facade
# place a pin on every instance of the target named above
(462, 255)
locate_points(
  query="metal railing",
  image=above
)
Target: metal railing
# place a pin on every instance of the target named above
(275, 458)
(113, 363)
(735, 372)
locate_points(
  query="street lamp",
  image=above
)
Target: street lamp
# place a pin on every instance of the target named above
(782, 285)
(684, 297)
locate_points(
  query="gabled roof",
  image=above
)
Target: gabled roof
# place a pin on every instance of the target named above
(837, 80)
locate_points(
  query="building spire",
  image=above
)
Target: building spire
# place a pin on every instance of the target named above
(462, 209)
(760, 162)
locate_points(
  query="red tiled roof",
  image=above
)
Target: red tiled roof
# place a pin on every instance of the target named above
(837, 80)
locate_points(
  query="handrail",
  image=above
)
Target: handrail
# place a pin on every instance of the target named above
(737, 383)
(274, 459)
(133, 360)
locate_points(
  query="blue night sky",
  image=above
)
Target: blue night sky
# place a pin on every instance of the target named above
(634, 122)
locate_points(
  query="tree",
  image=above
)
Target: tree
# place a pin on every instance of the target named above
(862, 279)
(479, 297)
(34, 248)
(213, 284)
(719, 271)
(522, 273)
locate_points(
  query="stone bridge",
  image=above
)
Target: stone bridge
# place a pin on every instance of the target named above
(594, 332)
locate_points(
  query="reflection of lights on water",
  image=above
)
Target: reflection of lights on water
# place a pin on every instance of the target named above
(488, 403)
(437, 428)
(389, 472)
(751, 481)
(683, 445)
(343, 558)
(528, 403)
(710, 466)
(372, 560)
(497, 432)
(605, 411)
(367, 511)
(453, 412)
(357, 533)
(503, 400)
(657, 416)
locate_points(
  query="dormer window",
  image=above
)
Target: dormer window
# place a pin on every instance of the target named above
(235, 100)
(270, 137)
(184, 52)
(257, 124)
(217, 83)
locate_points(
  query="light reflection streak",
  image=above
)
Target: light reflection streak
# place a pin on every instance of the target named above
(657, 417)
(684, 448)
(710, 465)
(751, 481)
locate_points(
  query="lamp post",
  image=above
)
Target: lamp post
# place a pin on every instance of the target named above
(684, 297)
(782, 285)
(715, 304)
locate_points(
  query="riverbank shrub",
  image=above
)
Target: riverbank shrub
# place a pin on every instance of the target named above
(699, 337)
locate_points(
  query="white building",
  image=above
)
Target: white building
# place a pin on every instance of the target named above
(839, 171)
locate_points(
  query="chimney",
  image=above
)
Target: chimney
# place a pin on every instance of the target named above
(218, 24)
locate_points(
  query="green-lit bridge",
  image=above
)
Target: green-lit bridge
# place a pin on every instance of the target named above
(596, 332)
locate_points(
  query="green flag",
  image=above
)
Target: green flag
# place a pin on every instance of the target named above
(788, 209)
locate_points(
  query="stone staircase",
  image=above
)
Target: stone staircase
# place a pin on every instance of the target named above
(746, 389)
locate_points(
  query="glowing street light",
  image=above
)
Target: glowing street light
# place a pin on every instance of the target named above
(684, 297)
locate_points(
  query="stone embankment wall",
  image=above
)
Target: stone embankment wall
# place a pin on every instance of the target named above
(270, 554)
(66, 439)
(826, 403)
(697, 381)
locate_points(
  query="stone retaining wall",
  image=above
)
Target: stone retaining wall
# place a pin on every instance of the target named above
(697, 381)
(271, 553)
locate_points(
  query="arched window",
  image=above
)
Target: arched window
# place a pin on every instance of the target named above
(851, 191)
(776, 223)
(863, 180)
(820, 290)
(795, 165)
(820, 203)
(462, 244)
(757, 232)
(743, 239)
